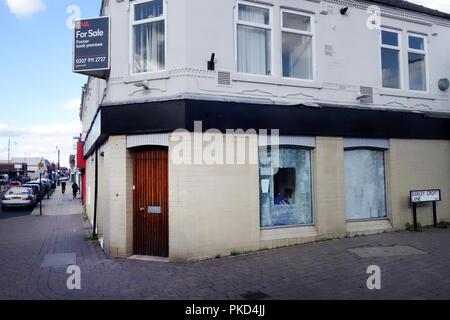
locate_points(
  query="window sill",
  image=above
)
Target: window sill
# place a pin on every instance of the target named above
(288, 232)
(157, 75)
(405, 94)
(368, 225)
(244, 77)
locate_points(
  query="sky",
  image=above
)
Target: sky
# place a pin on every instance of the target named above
(39, 94)
(441, 5)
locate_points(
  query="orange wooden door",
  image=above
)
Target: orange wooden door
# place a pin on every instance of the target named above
(151, 209)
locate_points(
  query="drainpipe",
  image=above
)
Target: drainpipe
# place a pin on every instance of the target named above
(94, 231)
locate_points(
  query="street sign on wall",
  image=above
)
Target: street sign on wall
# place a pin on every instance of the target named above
(91, 46)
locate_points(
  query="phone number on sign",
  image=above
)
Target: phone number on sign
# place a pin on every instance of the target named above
(90, 60)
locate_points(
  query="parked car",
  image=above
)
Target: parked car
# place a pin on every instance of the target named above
(13, 184)
(25, 179)
(19, 197)
(36, 188)
(4, 179)
(44, 184)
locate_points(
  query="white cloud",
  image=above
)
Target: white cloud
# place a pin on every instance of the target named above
(72, 105)
(54, 130)
(25, 8)
(441, 5)
(40, 141)
(8, 131)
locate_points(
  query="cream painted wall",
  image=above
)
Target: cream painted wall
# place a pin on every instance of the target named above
(90, 187)
(213, 209)
(100, 196)
(418, 164)
(118, 198)
(328, 162)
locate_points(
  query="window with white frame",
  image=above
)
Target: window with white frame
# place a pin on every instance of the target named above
(390, 59)
(416, 63)
(253, 29)
(297, 49)
(148, 34)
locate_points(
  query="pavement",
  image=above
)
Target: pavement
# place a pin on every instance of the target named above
(34, 250)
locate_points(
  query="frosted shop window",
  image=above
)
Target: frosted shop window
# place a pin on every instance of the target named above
(286, 195)
(365, 184)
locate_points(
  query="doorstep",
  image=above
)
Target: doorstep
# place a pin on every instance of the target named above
(149, 258)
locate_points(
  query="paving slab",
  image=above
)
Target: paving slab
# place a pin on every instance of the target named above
(59, 259)
(390, 251)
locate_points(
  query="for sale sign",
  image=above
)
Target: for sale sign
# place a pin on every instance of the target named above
(91, 46)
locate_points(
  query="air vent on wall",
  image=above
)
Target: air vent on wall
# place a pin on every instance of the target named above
(224, 78)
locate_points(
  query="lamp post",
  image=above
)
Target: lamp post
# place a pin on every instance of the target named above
(57, 170)
(9, 171)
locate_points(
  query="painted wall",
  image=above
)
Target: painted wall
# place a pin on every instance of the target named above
(213, 209)
(347, 56)
(417, 165)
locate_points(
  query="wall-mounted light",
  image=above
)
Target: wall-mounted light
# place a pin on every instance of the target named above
(344, 11)
(444, 84)
(142, 84)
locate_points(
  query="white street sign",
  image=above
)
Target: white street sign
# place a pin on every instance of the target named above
(41, 166)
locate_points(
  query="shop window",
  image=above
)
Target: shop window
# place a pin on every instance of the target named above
(285, 195)
(365, 184)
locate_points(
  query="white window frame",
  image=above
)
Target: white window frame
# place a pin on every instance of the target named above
(146, 21)
(305, 33)
(255, 25)
(400, 57)
(423, 52)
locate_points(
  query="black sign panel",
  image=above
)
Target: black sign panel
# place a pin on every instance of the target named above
(91, 43)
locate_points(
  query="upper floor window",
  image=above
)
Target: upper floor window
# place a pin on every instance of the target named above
(416, 63)
(253, 28)
(390, 59)
(148, 36)
(297, 54)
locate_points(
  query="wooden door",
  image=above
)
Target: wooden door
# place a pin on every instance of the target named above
(150, 197)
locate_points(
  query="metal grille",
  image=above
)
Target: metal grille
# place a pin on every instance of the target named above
(224, 78)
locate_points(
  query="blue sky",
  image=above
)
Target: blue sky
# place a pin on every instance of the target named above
(39, 93)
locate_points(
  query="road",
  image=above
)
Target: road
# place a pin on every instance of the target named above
(14, 212)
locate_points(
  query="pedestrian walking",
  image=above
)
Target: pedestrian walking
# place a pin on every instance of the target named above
(63, 187)
(74, 189)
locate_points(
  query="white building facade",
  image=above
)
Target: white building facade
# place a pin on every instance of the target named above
(357, 92)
